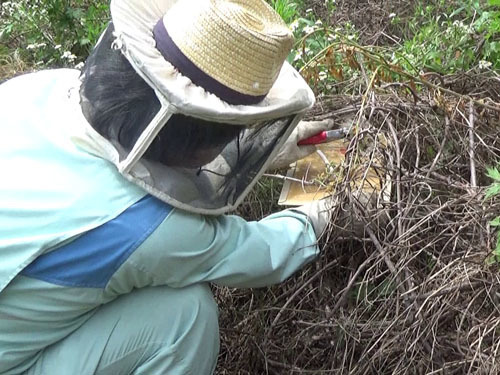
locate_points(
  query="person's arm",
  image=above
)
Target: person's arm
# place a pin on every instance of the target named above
(188, 248)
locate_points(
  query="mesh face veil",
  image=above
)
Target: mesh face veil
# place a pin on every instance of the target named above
(218, 180)
(189, 148)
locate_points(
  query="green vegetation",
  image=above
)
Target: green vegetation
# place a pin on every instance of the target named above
(51, 32)
(441, 36)
(492, 192)
(287, 9)
(448, 38)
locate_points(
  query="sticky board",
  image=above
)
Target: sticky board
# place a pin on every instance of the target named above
(296, 191)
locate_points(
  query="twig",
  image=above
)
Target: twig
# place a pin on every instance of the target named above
(283, 365)
(281, 177)
(365, 97)
(416, 98)
(443, 291)
(473, 177)
(292, 297)
(339, 112)
(382, 252)
(348, 288)
(398, 175)
(441, 146)
(323, 157)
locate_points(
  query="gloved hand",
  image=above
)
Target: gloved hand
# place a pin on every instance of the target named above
(345, 223)
(318, 212)
(290, 151)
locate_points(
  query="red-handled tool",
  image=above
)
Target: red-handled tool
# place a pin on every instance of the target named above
(325, 136)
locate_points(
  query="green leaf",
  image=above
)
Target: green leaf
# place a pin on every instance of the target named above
(492, 191)
(6, 31)
(431, 152)
(457, 11)
(494, 2)
(493, 173)
(495, 222)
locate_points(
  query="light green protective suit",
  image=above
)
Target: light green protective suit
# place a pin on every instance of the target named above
(156, 314)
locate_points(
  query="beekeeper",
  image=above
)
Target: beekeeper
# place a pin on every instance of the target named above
(115, 184)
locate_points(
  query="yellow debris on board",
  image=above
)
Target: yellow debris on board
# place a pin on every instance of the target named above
(303, 178)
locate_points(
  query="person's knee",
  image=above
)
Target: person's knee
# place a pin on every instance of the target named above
(192, 308)
(191, 332)
(171, 312)
(198, 299)
(183, 330)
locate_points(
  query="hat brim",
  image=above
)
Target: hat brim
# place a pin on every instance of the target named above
(134, 21)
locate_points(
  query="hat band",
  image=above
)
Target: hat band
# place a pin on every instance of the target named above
(176, 57)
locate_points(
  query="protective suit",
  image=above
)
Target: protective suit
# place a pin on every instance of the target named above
(103, 269)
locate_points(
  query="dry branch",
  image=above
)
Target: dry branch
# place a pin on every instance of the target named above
(415, 295)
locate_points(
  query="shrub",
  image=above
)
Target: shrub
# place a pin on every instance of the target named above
(447, 38)
(51, 32)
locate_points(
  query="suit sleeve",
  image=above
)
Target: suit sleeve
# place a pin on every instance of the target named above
(188, 248)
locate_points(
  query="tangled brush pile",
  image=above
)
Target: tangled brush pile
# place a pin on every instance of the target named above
(419, 293)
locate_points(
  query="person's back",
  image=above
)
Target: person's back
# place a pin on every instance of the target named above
(52, 193)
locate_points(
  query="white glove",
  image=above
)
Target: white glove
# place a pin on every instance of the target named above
(318, 212)
(345, 223)
(290, 151)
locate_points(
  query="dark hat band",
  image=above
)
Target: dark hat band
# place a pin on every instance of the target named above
(176, 57)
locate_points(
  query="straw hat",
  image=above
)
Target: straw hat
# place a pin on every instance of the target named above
(234, 49)
(216, 59)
